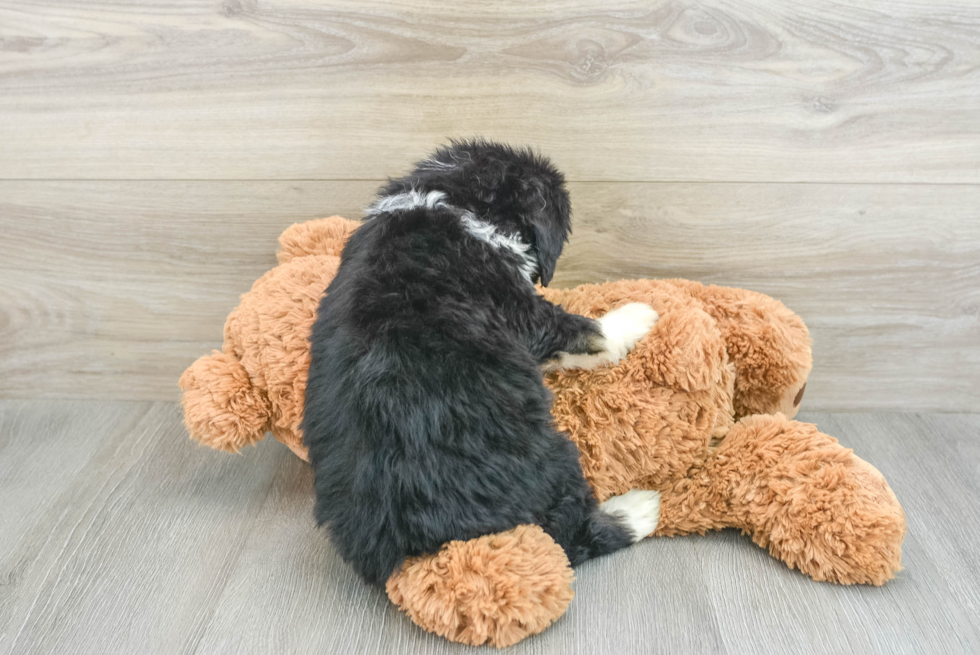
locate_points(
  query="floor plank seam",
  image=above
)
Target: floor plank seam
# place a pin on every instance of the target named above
(234, 561)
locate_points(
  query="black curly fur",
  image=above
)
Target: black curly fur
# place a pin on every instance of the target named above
(426, 416)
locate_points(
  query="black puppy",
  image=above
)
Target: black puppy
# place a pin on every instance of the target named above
(426, 416)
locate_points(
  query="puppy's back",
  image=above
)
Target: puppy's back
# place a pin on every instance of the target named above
(420, 402)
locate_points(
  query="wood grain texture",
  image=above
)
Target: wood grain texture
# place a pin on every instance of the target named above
(131, 539)
(673, 90)
(110, 289)
(118, 531)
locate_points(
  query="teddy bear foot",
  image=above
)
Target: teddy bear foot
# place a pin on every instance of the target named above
(495, 590)
(813, 503)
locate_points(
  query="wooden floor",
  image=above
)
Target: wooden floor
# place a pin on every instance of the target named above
(121, 536)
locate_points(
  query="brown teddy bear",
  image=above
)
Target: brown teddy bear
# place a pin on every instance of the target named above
(700, 411)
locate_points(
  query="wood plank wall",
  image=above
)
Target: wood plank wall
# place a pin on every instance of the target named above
(827, 153)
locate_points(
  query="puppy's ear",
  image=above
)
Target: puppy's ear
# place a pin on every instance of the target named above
(551, 223)
(547, 246)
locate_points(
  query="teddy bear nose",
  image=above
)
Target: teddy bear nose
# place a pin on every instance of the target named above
(799, 396)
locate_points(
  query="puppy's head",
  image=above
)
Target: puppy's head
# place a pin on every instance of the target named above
(514, 190)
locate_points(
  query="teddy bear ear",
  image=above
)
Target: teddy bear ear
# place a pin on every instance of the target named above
(324, 236)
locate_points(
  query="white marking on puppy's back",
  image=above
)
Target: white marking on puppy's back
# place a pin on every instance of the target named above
(639, 510)
(475, 227)
(489, 234)
(408, 200)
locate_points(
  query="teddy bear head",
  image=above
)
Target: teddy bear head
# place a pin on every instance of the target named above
(257, 382)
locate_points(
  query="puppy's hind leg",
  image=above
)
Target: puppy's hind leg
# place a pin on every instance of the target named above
(617, 523)
(638, 509)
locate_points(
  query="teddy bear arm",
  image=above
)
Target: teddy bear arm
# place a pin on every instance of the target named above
(769, 345)
(684, 348)
(222, 408)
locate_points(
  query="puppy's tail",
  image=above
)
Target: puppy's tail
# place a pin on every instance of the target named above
(222, 408)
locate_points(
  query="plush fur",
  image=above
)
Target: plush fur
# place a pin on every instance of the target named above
(427, 419)
(257, 382)
(693, 413)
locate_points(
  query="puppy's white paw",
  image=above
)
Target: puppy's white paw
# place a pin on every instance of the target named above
(624, 326)
(621, 329)
(639, 510)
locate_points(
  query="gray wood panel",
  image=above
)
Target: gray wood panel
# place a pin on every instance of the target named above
(118, 532)
(110, 289)
(718, 90)
(129, 538)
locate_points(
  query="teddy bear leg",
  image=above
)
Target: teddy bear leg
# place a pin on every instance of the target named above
(813, 503)
(495, 590)
(324, 236)
(768, 344)
(692, 506)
